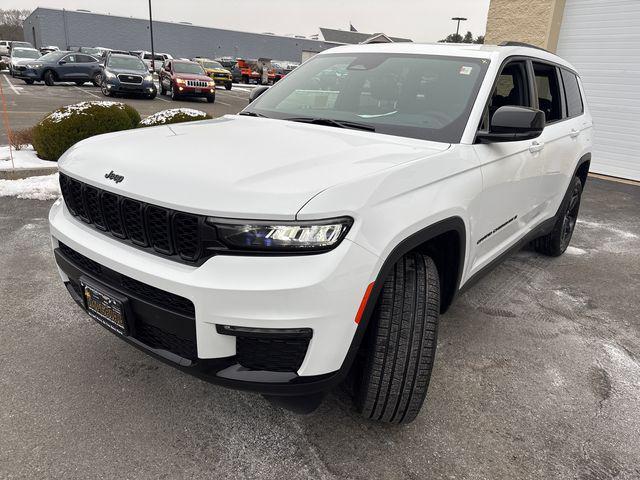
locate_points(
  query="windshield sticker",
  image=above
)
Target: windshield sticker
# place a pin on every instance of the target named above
(464, 70)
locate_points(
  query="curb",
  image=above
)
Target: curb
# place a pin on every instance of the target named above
(20, 173)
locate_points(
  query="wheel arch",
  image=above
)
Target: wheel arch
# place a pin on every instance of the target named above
(582, 169)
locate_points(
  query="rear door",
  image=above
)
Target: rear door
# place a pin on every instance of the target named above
(511, 201)
(86, 66)
(560, 136)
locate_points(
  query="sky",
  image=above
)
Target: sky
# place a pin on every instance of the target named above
(420, 20)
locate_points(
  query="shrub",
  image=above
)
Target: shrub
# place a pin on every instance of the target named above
(21, 138)
(68, 125)
(174, 115)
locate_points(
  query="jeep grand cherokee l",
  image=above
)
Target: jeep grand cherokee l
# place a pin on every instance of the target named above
(401, 184)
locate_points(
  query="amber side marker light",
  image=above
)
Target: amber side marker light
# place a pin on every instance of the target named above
(363, 304)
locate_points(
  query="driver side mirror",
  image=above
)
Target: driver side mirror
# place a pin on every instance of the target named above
(513, 123)
(62, 62)
(256, 92)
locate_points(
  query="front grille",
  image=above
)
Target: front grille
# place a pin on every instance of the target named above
(196, 83)
(159, 339)
(177, 235)
(135, 79)
(271, 354)
(169, 301)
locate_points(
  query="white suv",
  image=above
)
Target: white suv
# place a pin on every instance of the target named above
(405, 172)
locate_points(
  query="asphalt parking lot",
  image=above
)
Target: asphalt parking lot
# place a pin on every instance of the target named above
(27, 104)
(537, 376)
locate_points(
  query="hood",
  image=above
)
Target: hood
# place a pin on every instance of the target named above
(192, 76)
(217, 70)
(236, 166)
(127, 71)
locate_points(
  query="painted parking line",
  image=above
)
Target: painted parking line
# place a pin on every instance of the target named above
(11, 85)
(222, 103)
(87, 92)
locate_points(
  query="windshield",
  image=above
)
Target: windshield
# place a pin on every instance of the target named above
(417, 96)
(24, 53)
(188, 68)
(211, 65)
(157, 58)
(53, 56)
(126, 63)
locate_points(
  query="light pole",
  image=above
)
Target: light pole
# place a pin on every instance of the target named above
(457, 19)
(153, 53)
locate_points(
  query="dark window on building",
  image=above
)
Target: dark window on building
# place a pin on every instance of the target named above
(572, 94)
(548, 88)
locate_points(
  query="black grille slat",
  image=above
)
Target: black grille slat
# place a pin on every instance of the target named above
(133, 216)
(173, 234)
(112, 215)
(160, 339)
(159, 229)
(187, 235)
(80, 260)
(167, 300)
(92, 202)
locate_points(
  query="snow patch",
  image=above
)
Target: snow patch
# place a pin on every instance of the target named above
(609, 228)
(164, 116)
(23, 158)
(32, 188)
(575, 251)
(79, 108)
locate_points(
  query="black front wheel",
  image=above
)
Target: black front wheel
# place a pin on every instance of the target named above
(97, 80)
(49, 78)
(400, 344)
(555, 243)
(211, 98)
(29, 81)
(227, 85)
(105, 91)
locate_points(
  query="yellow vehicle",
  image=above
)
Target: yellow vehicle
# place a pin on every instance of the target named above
(216, 71)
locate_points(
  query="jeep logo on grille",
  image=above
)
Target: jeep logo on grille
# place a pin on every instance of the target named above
(113, 176)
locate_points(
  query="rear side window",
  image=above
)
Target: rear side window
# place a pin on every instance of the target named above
(575, 106)
(548, 88)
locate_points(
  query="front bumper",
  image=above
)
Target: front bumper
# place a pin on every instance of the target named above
(27, 73)
(144, 88)
(187, 91)
(317, 293)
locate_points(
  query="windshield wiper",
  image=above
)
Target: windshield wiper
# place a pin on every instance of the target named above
(333, 123)
(252, 114)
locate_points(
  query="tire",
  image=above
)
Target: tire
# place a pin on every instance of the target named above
(163, 91)
(97, 80)
(105, 91)
(174, 95)
(151, 96)
(227, 85)
(400, 343)
(555, 243)
(29, 81)
(211, 98)
(49, 78)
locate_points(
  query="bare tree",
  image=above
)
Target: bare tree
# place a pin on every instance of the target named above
(11, 23)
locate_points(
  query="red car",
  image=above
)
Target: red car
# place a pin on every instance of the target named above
(183, 78)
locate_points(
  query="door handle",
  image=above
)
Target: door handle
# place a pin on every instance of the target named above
(536, 146)
(574, 133)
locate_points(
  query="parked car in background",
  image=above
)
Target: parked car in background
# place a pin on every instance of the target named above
(16, 44)
(216, 71)
(49, 49)
(61, 66)
(19, 56)
(4, 47)
(158, 60)
(231, 64)
(183, 78)
(126, 74)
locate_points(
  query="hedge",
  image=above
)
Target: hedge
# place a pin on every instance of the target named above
(68, 125)
(174, 115)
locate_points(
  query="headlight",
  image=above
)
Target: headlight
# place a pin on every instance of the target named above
(32, 66)
(149, 78)
(180, 81)
(211, 84)
(109, 75)
(281, 236)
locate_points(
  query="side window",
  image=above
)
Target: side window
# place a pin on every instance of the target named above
(83, 59)
(548, 88)
(70, 58)
(512, 88)
(575, 106)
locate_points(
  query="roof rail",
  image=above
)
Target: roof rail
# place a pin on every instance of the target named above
(521, 44)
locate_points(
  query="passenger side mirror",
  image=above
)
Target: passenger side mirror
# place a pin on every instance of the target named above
(513, 123)
(256, 92)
